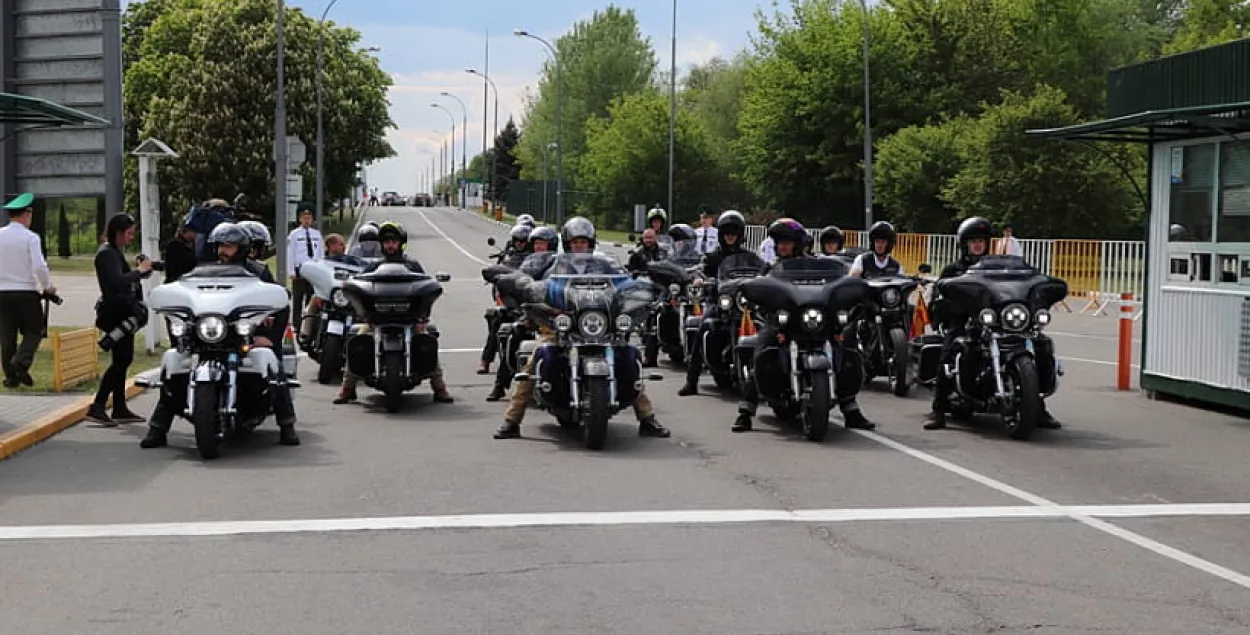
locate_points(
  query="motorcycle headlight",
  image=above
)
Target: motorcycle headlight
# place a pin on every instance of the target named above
(211, 329)
(725, 302)
(593, 323)
(674, 289)
(987, 317)
(843, 317)
(624, 323)
(890, 297)
(742, 302)
(813, 318)
(243, 328)
(337, 298)
(563, 323)
(1015, 317)
(1042, 317)
(783, 317)
(177, 328)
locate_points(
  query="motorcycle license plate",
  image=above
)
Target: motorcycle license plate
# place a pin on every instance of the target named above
(392, 345)
(334, 327)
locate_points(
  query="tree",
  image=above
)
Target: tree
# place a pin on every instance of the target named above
(602, 58)
(626, 159)
(503, 155)
(202, 76)
(1210, 22)
(713, 93)
(913, 166)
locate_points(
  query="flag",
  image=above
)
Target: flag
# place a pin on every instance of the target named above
(747, 326)
(920, 317)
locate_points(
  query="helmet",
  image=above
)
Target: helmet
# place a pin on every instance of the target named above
(657, 212)
(374, 224)
(390, 230)
(230, 234)
(544, 233)
(257, 232)
(682, 231)
(368, 233)
(520, 233)
(784, 229)
(527, 220)
(975, 227)
(831, 233)
(578, 227)
(730, 222)
(240, 201)
(884, 231)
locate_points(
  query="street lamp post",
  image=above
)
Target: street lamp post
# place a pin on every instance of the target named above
(494, 163)
(321, 51)
(279, 143)
(672, 113)
(546, 148)
(868, 197)
(452, 154)
(559, 123)
(464, 142)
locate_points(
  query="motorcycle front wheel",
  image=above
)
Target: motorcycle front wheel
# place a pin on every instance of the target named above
(816, 408)
(393, 383)
(1025, 408)
(898, 363)
(331, 359)
(204, 418)
(597, 395)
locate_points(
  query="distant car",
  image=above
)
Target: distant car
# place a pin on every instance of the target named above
(392, 198)
(422, 200)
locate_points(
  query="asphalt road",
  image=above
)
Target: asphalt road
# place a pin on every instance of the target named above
(380, 527)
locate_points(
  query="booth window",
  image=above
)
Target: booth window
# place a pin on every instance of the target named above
(1189, 211)
(1233, 225)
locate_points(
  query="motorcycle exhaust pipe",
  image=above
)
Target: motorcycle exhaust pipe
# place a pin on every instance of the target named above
(545, 386)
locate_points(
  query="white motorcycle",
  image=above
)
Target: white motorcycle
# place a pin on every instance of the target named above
(325, 342)
(214, 368)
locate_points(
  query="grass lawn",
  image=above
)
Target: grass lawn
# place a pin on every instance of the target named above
(81, 265)
(41, 371)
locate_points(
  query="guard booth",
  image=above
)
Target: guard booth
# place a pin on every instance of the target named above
(1192, 111)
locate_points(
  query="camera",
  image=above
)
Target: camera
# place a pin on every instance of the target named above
(157, 265)
(126, 327)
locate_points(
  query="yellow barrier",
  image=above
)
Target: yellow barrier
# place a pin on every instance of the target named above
(1079, 263)
(74, 358)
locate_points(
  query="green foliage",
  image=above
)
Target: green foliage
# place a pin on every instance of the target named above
(1210, 22)
(626, 159)
(913, 166)
(504, 160)
(201, 75)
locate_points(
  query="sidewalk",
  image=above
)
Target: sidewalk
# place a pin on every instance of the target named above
(17, 410)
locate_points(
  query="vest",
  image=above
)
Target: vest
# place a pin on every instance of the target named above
(871, 270)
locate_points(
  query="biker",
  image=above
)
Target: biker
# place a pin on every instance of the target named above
(394, 240)
(831, 240)
(973, 237)
(647, 253)
(730, 229)
(878, 263)
(513, 255)
(578, 237)
(233, 245)
(367, 245)
(526, 220)
(657, 218)
(542, 244)
(788, 239)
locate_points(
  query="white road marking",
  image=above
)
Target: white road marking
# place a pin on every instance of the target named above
(583, 519)
(1079, 514)
(1086, 336)
(448, 239)
(1084, 360)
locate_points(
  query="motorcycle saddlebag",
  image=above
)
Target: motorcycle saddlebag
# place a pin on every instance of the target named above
(360, 356)
(772, 373)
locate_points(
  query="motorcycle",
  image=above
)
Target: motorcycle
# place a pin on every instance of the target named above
(590, 371)
(225, 382)
(807, 302)
(883, 336)
(326, 346)
(507, 314)
(998, 365)
(723, 356)
(673, 275)
(402, 350)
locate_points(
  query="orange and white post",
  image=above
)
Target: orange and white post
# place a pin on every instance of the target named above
(1125, 363)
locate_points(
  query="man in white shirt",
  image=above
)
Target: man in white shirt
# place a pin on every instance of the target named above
(304, 244)
(707, 238)
(23, 277)
(1008, 245)
(767, 251)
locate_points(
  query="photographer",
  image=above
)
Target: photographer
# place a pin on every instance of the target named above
(120, 312)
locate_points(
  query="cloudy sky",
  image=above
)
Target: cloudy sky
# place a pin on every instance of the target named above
(425, 46)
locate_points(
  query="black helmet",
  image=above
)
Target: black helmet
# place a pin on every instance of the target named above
(681, 231)
(784, 229)
(578, 227)
(884, 231)
(975, 227)
(257, 232)
(520, 233)
(544, 233)
(831, 233)
(730, 222)
(367, 234)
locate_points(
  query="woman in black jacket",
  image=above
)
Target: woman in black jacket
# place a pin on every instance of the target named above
(120, 296)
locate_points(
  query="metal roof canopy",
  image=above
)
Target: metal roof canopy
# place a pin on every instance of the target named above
(1155, 126)
(20, 109)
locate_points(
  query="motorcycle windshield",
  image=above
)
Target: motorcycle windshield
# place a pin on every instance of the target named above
(685, 253)
(368, 249)
(829, 293)
(665, 242)
(904, 286)
(1001, 280)
(744, 264)
(809, 271)
(535, 265)
(668, 272)
(218, 290)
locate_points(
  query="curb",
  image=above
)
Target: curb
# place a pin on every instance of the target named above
(49, 425)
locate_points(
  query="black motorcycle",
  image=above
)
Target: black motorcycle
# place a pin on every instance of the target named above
(723, 356)
(882, 327)
(674, 275)
(589, 371)
(997, 366)
(806, 302)
(507, 316)
(402, 350)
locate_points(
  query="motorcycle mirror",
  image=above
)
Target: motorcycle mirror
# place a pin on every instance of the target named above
(442, 276)
(926, 268)
(491, 241)
(632, 237)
